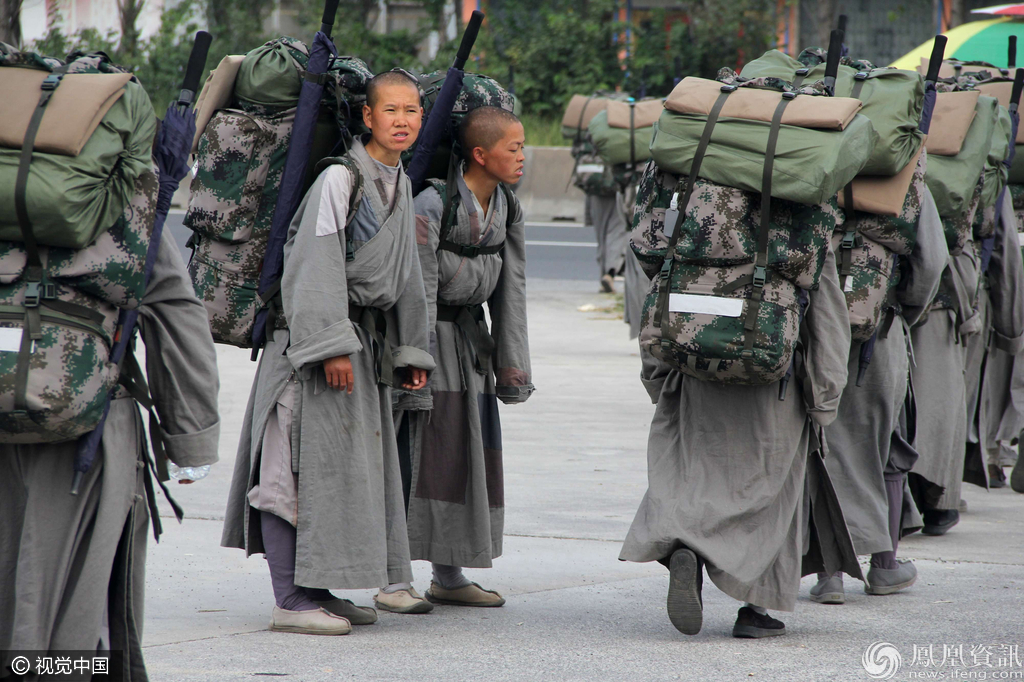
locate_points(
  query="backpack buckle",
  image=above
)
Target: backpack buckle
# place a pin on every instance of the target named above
(728, 88)
(467, 251)
(32, 295)
(51, 81)
(803, 72)
(760, 276)
(861, 76)
(849, 239)
(789, 95)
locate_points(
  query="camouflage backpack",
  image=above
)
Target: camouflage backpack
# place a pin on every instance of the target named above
(867, 249)
(727, 295)
(59, 306)
(477, 91)
(240, 163)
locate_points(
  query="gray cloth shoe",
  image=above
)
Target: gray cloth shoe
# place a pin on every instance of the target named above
(685, 605)
(829, 590)
(889, 580)
(357, 615)
(315, 622)
(1017, 476)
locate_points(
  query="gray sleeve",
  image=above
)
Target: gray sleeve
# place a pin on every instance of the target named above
(921, 281)
(1006, 279)
(507, 307)
(181, 362)
(826, 339)
(314, 289)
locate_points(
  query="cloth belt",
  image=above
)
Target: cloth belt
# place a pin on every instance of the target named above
(470, 319)
(376, 325)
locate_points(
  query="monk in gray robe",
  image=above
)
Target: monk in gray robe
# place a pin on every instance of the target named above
(317, 486)
(992, 417)
(605, 213)
(74, 565)
(731, 471)
(937, 374)
(869, 453)
(456, 492)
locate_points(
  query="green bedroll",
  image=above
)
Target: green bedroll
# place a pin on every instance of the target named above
(893, 100)
(952, 179)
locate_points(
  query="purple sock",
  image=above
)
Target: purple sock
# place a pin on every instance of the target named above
(279, 544)
(894, 491)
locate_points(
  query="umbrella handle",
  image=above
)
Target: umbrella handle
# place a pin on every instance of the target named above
(468, 38)
(327, 22)
(1018, 86)
(935, 62)
(196, 64)
(1011, 61)
(835, 52)
(842, 24)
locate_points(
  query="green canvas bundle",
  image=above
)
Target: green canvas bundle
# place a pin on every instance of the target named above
(811, 165)
(893, 100)
(953, 179)
(619, 145)
(71, 198)
(995, 174)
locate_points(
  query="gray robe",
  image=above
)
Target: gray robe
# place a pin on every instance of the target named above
(609, 223)
(456, 496)
(992, 416)
(727, 464)
(351, 529)
(637, 286)
(72, 563)
(937, 374)
(863, 437)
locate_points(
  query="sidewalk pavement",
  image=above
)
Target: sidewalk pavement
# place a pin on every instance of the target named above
(575, 471)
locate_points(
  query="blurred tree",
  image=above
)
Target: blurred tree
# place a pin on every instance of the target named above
(10, 22)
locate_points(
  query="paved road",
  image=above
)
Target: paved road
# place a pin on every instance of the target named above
(575, 471)
(553, 251)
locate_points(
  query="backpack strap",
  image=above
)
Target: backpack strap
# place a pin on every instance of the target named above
(450, 215)
(39, 288)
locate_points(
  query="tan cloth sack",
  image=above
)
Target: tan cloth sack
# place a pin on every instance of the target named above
(951, 119)
(881, 195)
(645, 113)
(698, 96)
(75, 110)
(571, 119)
(216, 93)
(1001, 90)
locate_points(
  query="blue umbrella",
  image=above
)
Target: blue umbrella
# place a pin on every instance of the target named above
(173, 143)
(299, 148)
(437, 121)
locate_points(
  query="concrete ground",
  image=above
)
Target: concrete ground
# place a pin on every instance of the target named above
(575, 471)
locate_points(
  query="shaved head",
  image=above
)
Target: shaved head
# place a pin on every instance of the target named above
(484, 127)
(383, 80)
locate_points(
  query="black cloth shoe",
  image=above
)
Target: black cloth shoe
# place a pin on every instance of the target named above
(752, 625)
(686, 579)
(939, 521)
(996, 477)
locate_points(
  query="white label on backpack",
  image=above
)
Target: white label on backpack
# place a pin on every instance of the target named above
(848, 283)
(10, 339)
(1020, 238)
(590, 168)
(705, 305)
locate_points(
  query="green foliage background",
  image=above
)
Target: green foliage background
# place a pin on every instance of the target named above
(545, 50)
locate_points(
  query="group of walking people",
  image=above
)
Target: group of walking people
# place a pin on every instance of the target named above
(372, 437)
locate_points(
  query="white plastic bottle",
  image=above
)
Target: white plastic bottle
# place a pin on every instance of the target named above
(187, 473)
